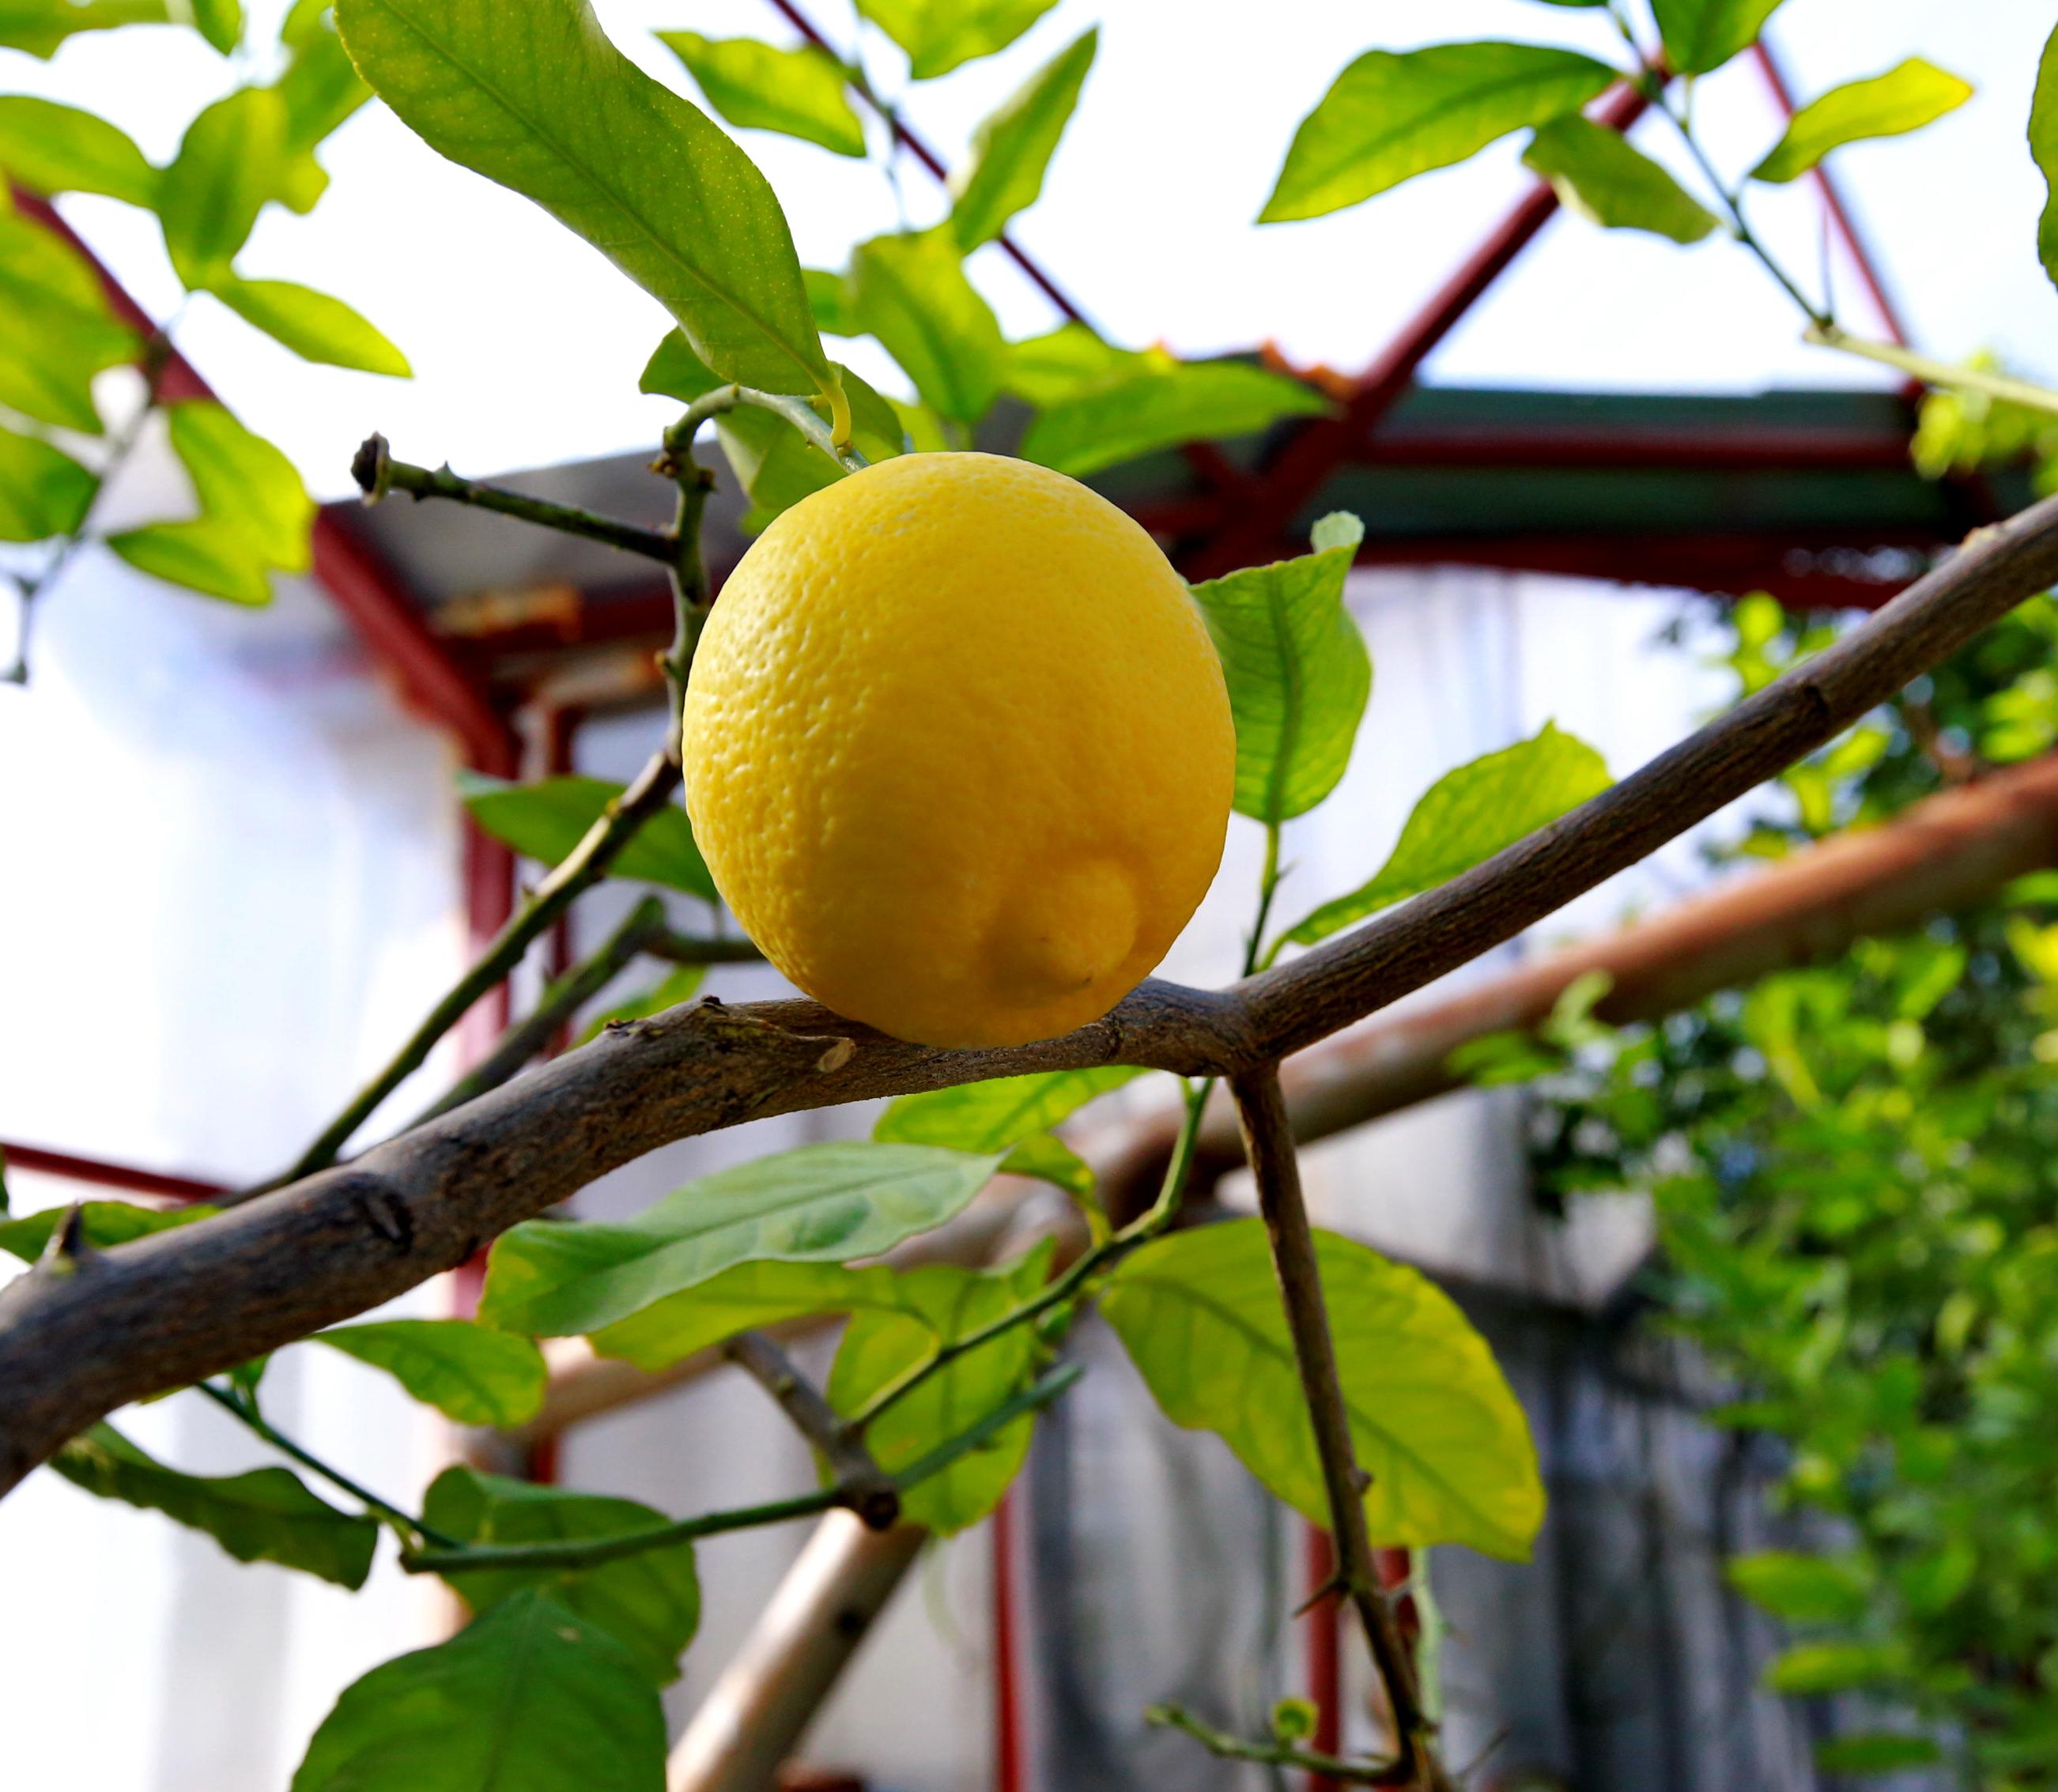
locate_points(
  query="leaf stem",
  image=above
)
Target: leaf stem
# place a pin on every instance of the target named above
(802, 415)
(1933, 372)
(244, 1411)
(1275, 1755)
(1268, 1143)
(377, 473)
(593, 1552)
(1255, 957)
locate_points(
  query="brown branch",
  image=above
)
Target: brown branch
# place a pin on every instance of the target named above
(1268, 1143)
(868, 1491)
(167, 1310)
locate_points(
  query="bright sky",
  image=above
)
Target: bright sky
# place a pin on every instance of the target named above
(527, 344)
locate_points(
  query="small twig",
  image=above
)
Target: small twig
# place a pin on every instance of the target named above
(579, 871)
(1933, 372)
(798, 411)
(1268, 1143)
(593, 1552)
(245, 1413)
(377, 473)
(1273, 1755)
(694, 948)
(563, 998)
(868, 1489)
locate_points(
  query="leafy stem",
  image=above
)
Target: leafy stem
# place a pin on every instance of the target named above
(798, 411)
(592, 1553)
(1274, 1753)
(243, 1408)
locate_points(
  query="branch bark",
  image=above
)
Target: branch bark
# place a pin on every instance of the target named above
(169, 1310)
(870, 1492)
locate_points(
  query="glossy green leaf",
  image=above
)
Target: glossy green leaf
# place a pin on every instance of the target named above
(245, 484)
(777, 466)
(39, 27)
(266, 1515)
(314, 326)
(650, 1603)
(546, 820)
(1012, 148)
(1811, 1669)
(1598, 174)
(43, 491)
(1391, 117)
(232, 159)
(475, 1375)
(1466, 816)
(1297, 670)
(530, 93)
(939, 35)
(992, 1116)
(1904, 99)
(1876, 1751)
(910, 291)
(52, 149)
(742, 1299)
(2043, 150)
(530, 1697)
(679, 984)
(1160, 403)
(219, 22)
(944, 1303)
(1066, 362)
(1432, 1418)
(1801, 1589)
(62, 329)
(102, 1225)
(800, 93)
(205, 554)
(1700, 35)
(674, 371)
(821, 1203)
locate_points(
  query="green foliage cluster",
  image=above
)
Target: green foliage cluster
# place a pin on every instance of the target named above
(1855, 1167)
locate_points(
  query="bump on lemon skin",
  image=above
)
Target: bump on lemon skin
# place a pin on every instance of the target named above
(958, 750)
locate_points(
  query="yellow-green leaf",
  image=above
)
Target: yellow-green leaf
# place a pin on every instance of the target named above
(39, 27)
(1597, 173)
(910, 291)
(800, 93)
(765, 1291)
(43, 491)
(102, 1225)
(1701, 35)
(61, 330)
(473, 1373)
(245, 484)
(939, 35)
(1152, 401)
(1391, 117)
(2043, 150)
(992, 1116)
(232, 159)
(1013, 146)
(1904, 99)
(219, 22)
(205, 554)
(314, 325)
(1431, 1415)
(52, 149)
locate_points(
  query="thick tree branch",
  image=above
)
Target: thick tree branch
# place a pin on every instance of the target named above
(1268, 1143)
(169, 1310)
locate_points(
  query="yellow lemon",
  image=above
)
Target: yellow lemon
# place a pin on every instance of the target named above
(958, 749)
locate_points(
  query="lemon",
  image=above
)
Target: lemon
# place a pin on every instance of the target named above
(958, 750)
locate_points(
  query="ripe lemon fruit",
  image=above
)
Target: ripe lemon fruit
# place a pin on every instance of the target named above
(958, 750)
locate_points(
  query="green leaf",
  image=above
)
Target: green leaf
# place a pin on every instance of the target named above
(1801, 1589)
(937, 35)
(828, 299)
(545, 821)
(1048, 1159)
(674, 371)
(204, 555)
(102, 1225)
(531, 1697)
(992, 1116)
(1013, 146)
(2043, 150)
(802, 93)
(1067, 361)
(475, 1375)
(1156, 402)
(320, 89)
(1297, 671)
(777, 466)
(1597, 173)
(650, 1603)
(530, 93)
(1465, 818)
(1810, 1668)
(314, 326)
(39, 27)
(820, 1203)
(678, 985)
(54, 149)
(61, 328)
(219, 22)
(1390, 118)
(1701, 35)
(910, 291)
(245, 485)
(1433, 1419)
(944, 1303)
(232, 159)
(266, 1515)
(1904, 99)
(1877, 1751)
(742, 1299)
(43, 491)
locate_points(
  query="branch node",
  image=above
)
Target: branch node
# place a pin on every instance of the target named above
(373, 467)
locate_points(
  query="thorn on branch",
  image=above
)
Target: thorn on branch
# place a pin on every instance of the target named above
(66, 1249)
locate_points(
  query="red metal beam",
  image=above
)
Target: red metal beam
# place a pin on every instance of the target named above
(110, 1175)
